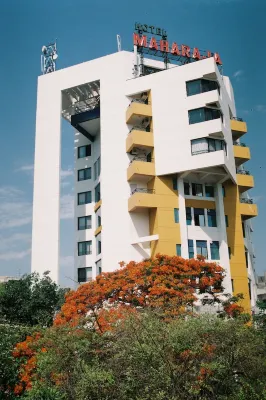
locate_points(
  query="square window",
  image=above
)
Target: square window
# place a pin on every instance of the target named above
(202, 248)
(84, 248)
(199, 216)
(84, 274)
(99, 221)
(84, 198)
(84, 151)
(212, 221)
(197, 189)
(215, 254)
(97, 193)
(99, 247)
(175, 183)
(84, 174)
(190, 248)
(84, 222)
(176, 215)
(188, 215)
(209, 191)
(178, 250)
(98, 267)
(186, 188)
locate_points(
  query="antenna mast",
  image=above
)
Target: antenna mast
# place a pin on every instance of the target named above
(48, 58)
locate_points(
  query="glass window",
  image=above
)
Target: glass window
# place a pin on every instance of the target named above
(229, 252)
(84, 198)
(84, 222)
(243, 229)
(232, 283)
(209, 191)
(196, 115)
(188, 215)
(175, 183)
(202, 248)
(199, 146)
(246, 257)
(178, 250)
(212, 145)
(199, 216)
(249, 288)
(176, 215)
(99, 247)
(186, 188)
(226, 221)
(97, 168)
(190, 249)
(84, 248)
(223, 191)
(197, 189)
(84, 174)
(212, 222)
(84, 151)
(193, 87)
(84, 274)
(99, 219)
(215, 255)
(97, 193)
(98, 267)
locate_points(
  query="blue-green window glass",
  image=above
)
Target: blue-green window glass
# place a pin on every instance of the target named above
(84, 222)
(200, 86)
(97, 193)
(188, 215)
(229, 251)
(209, 191)
(215, 255)
(226, 221)
(193, 87)
(175, 183)
(223, 191)
(202, 248)
(84, 248)
(84, 174)
(190, 248)
(199, 217)
(212, 221)
(84, 198)
(99, 247)
(196, 115)
(176, 215)
(178, 250)
(84, 151)
(186, 188)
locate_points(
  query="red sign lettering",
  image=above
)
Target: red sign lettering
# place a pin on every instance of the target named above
(164, 45)
(139, 41)
(153, 44)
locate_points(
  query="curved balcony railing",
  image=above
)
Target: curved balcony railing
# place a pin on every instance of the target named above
(242, 172)
(246, 201)
(239, 144)
(140, 128)
(141, 158)
(237, 119)
(143, 190)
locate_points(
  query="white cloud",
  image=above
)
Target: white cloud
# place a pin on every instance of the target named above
(65, 173)
(14, 255)
(26, 168)
(67, 206)
(260, 108)
(15, 211)
(238, 73)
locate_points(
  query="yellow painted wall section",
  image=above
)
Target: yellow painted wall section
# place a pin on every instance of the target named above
(235, 239)
(200, 204)
(162, 220)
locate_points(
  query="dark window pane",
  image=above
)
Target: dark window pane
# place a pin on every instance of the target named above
(223, 190)
(209, 191)
(99, 247)
(212, 222)
(243, 229)
(178, 250)
(190, 248)
(226, 221)
(84, 222)
(196, 115)
(176, 215)
(186, 188)
(197, 189)
(97, 193)
(232, 283)
(188, 215)
(229, 252)
(84, 174)
(84, 198)
(215, 255)
(99, 221)
(82, 275)
(199, 216)
(193, 87)
(202, 248)
(175, 183)
(84, 151)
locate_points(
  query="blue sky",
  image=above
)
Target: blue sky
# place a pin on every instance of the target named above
(86, 30)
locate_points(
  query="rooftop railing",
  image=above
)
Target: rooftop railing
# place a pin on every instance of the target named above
(246, 201)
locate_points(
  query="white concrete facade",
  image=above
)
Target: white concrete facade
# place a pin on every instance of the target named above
(126, 236)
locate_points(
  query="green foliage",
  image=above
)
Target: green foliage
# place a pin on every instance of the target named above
(40, 391)
(144, 358)
(31, 300)
(9, 336)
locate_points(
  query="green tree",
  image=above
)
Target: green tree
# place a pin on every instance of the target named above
(31, 300)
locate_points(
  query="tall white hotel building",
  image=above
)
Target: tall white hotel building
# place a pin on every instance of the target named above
(159, 168)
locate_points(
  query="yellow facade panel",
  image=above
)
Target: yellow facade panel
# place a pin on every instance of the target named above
(238, 126)
(245, 182)
(138, 169)
(200, 204)
(241, 153)
(137, 138)
(248, 210)
(137, 109)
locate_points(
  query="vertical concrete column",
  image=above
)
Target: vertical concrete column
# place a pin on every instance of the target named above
(182, 218)
(224, 253)
(46, 192)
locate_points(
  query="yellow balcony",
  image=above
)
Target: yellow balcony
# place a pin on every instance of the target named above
(98, 230)
(136, 111)
(238, 128)
(245, 182)
(140, 170)
(142, 199)
(248, 209)
(138, 138)
(241, 153)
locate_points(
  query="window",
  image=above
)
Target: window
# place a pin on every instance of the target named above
(226, 221)
(84, 222)
(243, 229)
(203, 114)
(97, 193)
(202, 248)
(148, 157)
(99, 221)
(197, 189)
(211, 214)
(84, 248)
(246, 257)
(178, 250)
(232, 283)
(186, 188)
(190, 248)
(84, 151)
(188, 215)
(229, 252)
(249, 288)
(205, 145)
(84, 198)
(199, 216)
(215, 255)
(84, 274)
(176, 215)
(223, 191)
(200, 86)
(98, 267)
(97, 168)
(209, 191)
(84, 174)
(175, 183)
(99, 247)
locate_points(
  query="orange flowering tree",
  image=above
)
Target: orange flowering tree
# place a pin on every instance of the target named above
(163, 283)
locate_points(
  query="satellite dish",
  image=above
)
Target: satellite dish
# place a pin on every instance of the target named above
(55, 56)
(44, 49)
